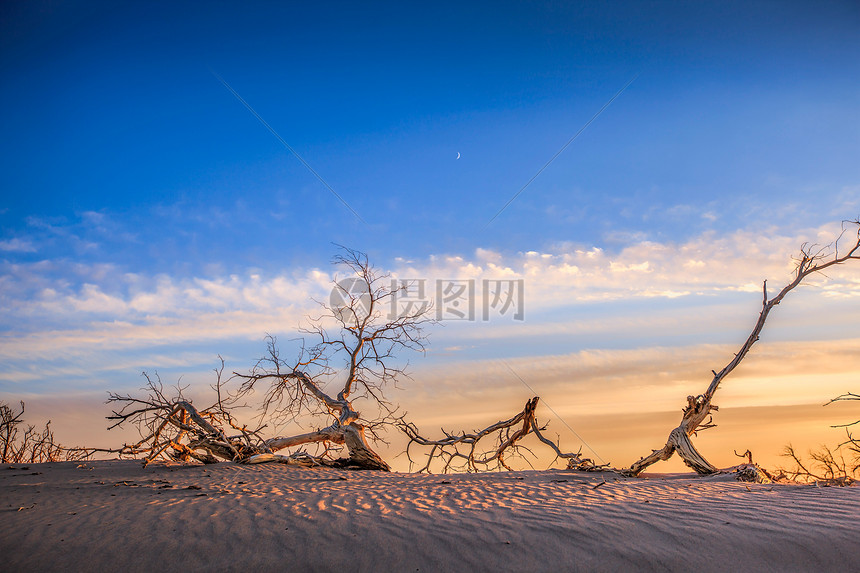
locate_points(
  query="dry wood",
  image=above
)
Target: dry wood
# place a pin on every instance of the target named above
(362, 347)
(460, 452)
(827, 465)
(813, 259)
(851, 443)
(33, 446)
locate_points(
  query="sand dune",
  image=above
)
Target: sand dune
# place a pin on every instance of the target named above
(115, 515)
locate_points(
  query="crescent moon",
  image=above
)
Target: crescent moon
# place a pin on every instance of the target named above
(458, 155)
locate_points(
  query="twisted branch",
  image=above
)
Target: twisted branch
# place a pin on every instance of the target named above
(812, 259)
(460, 452)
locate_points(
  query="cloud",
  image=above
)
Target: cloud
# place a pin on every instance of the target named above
(85, 234)
(17, 245)
(588, 298)
(616, 335)
(561, 277)
(709, 264)
(648, 379)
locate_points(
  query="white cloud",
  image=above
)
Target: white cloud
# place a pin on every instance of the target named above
(16, 245)
(92, 300)
(642, 267)
(597, 340)
(54, 309)
(707, 264)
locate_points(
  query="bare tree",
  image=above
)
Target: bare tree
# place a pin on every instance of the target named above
(171, 426)
(464, 451)
(353, 346)
(828, 465)
(9, 422)
(31, 446)
(697, 413)
(852, 443)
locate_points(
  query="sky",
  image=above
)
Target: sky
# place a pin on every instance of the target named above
(176, 179)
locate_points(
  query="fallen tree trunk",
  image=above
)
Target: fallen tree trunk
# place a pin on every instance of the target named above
(679, 441)
(460, 452)
(364, 345)
(180, 431)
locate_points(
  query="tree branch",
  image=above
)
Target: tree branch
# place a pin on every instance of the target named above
(812, 259)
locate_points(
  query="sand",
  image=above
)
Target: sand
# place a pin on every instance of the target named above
(118, 516)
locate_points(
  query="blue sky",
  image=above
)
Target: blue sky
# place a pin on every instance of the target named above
(142, 202)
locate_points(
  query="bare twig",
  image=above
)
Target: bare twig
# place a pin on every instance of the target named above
(463, 452)
(33, 446)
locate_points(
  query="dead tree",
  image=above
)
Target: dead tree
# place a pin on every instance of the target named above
(697, 414)
(852, 443)
(464, 452)
(353, 344)
(9, 422)
(31, 446)
(828, 465)
(170, 426)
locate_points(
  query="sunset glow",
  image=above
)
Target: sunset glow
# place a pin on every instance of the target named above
(151, 222)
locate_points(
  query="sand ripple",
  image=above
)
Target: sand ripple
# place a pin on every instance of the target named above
(227, 517)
